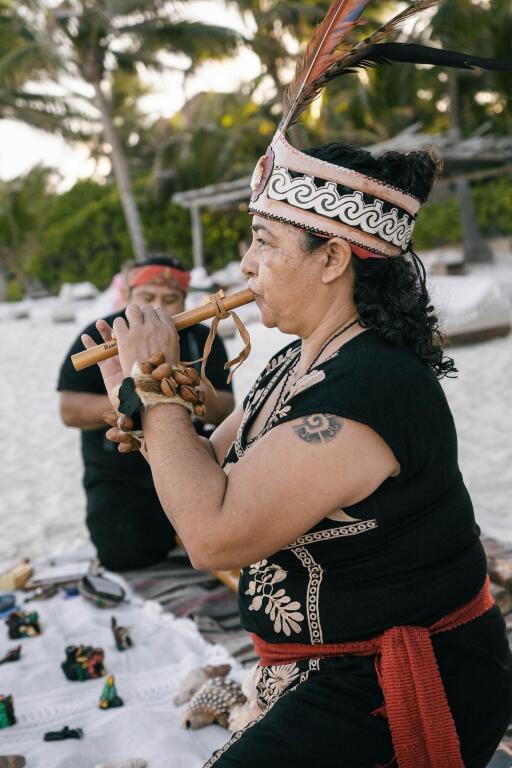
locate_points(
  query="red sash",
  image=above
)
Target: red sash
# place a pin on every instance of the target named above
(418, 713)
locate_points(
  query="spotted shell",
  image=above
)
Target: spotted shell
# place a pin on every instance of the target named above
(212, 703)
(194, 679)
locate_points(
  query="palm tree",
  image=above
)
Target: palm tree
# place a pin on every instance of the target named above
(26, 60)
(91, 40)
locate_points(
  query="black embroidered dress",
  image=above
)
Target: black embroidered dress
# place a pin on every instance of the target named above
(407, 554)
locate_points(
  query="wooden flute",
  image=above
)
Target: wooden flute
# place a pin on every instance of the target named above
(185, 319)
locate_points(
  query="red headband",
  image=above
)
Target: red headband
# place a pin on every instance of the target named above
(159, 275)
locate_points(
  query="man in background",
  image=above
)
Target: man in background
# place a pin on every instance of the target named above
(125, 519)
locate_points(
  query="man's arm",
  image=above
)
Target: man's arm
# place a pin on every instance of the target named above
(83, 409)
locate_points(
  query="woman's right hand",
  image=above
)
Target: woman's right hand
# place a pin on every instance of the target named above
(110, 369)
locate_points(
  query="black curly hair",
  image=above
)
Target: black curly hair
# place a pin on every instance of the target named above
(391, 294)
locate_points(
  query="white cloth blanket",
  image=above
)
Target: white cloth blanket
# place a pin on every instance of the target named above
(147, 677)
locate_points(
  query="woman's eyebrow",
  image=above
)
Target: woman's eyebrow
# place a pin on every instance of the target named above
(258, 227)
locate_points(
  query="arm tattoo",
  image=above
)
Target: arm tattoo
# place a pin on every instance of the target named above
(320, 428)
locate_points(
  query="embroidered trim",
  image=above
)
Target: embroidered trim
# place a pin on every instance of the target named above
(316, 573)
(302, 192)
(238, 734)
(259, 395)
(280, 608)
(317, 231)
(333, 533)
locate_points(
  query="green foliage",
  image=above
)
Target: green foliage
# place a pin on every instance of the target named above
(14, 290)
(439, 223)
(86, 238)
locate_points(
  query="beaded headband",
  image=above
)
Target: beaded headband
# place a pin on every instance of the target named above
(328, 200)
(290, 186)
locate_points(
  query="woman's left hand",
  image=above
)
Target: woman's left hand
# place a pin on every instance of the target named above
(149, 330)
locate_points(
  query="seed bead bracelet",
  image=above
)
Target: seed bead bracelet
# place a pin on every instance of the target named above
(154, 382)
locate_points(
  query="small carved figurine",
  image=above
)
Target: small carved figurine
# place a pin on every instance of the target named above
(194, 679)
(22, 624)
(121, 636)
(12, 655)
(65, 733)
(7, 716)
(213, 703)
(83, 662)
(109, 697)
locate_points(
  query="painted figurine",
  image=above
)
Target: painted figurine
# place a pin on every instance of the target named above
(65, 733)
(109, 697)
(7, 716)
(83, 662)
(12, 655)
(121, 636)
(22, 624)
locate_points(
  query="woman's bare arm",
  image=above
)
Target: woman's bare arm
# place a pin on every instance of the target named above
(286, 483)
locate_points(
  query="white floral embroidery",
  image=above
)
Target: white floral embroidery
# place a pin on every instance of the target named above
(272, 681)
(275, 362)
(305, 382)
(280, 608)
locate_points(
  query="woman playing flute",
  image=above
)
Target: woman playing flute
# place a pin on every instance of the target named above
(335, 487)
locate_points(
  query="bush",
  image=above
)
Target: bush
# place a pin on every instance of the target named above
(439, 223)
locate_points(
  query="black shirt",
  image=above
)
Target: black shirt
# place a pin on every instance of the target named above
(407, 554)
(101, 457)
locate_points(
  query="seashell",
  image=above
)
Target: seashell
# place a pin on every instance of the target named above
(146, 367)
(135, 762)
(157, 359)
(124, 422)
(212, 703)
(194, 679)
(162, 372)
(188, 394)
(193, 374)
(110, 418)
(168, 387)
(243, 714)
(182, 377)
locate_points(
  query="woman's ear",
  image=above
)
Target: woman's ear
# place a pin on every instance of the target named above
(337, 259)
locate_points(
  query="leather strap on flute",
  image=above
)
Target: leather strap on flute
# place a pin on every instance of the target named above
(222, 313)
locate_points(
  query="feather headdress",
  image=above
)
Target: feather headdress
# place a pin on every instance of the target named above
(290, 186)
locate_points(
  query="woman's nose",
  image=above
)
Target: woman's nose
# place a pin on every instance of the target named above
(248, 265)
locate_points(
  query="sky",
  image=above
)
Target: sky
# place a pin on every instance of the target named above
(22, 147)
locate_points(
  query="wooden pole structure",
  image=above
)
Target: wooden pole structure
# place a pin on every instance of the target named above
(185, 319)
(197, 237)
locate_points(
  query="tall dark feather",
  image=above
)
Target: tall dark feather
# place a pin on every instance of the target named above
(410, 53)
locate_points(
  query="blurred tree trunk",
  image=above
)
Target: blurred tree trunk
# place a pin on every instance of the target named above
(122, 175)
(475, 248)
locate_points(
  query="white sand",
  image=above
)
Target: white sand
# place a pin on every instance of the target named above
(41, 498)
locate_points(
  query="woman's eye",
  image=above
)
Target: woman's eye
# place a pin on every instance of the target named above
(259, 240)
